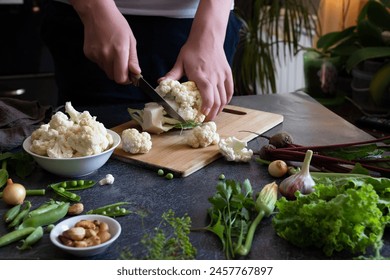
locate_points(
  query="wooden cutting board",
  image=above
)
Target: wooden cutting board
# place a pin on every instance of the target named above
(169, 152)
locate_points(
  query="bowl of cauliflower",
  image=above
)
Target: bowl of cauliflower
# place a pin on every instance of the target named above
(71, 146)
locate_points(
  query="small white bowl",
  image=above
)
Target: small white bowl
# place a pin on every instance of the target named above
(114, 229)
(73, 167)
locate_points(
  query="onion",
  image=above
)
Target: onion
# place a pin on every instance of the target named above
(13, 193)
(277, 168)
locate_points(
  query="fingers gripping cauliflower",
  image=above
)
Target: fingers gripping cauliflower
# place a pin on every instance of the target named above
(186, 96)
(136, 142)
(203, 136)
(77, 136)
(234, 149)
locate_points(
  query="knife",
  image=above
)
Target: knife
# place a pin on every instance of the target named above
(140, 82)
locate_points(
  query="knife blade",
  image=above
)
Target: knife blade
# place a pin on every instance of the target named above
(140, 82)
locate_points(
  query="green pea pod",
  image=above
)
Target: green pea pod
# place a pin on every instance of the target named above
(22, 214)
(32, 238)
(15, 235)
(111, 210)
(11, 214)
(74, 185)
(3, 177)
(66, 194)
(45, 207)
(47, 218)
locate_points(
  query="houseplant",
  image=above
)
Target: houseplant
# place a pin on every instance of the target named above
(271, 30)
(363, 52)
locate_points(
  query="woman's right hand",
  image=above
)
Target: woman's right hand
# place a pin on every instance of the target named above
(108, 39)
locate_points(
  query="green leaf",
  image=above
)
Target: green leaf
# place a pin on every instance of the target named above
(365, 54)
(378, 14)
(335, 38)
(3, 177)
(344, 213)
(369, 34)
(355, 152)
(219, 230)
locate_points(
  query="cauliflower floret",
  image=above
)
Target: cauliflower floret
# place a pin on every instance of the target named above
(203, 136)
(60, 122)
(136, 142)
(43, 139)
(234, 149)
(186, 96)
(60, 149)
(108, 180)
(63, 137)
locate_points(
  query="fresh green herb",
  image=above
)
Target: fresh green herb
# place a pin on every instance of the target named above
(235, 214)
(345, 212)
(187, 125)
(169, 241)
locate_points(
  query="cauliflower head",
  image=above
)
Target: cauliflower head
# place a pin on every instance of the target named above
(186, 96)
(77, 136)
(203, 136)
(234, 149)
(136, 142)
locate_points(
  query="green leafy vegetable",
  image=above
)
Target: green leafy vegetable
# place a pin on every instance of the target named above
(345, 212)
(235, 214)
(20, 162)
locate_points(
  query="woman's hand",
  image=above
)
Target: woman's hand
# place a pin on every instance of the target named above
(108, 39)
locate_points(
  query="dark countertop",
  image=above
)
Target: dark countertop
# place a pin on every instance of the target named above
(308, 121)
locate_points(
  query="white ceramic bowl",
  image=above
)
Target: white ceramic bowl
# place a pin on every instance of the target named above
(114, 229)
(73, 167)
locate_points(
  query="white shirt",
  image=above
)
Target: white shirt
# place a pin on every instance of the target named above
(166, 8)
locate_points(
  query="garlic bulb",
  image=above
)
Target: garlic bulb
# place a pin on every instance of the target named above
(300, 181)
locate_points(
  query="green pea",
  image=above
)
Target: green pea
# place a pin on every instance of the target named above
(160, 172)
(221, 177)
(73, 183)
(61, 189)
(169, 176)
(81, 182)
(63, 185)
